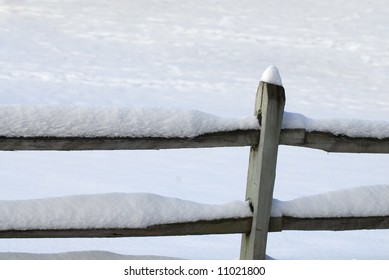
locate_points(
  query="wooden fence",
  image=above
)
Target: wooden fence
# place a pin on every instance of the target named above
(269, 108)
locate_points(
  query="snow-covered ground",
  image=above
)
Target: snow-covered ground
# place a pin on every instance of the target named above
(200, 55)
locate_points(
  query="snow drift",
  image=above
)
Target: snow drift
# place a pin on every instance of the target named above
(112, 210)
(366, 201)
(84, 121)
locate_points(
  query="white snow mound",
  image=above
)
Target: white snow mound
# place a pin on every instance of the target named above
(272, 76)
(364, 201)
(348, 127)
(112, 210)
(82, 121)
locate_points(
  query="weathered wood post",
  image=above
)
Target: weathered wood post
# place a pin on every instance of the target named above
(269, 108)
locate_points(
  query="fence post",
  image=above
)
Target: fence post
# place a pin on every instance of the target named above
(269, 108)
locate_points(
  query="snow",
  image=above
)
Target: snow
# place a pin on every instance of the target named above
(191, 55)
(114, 121)
(84, 121)
(113, 210)
(355, 202)
(338, 126)
(79, 255)
(272, 76)
(141, 210)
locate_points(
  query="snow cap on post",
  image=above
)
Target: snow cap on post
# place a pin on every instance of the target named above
(272, 76)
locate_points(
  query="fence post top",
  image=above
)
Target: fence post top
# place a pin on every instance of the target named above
(272, 76)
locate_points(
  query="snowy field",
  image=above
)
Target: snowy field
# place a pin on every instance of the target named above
(333, 57)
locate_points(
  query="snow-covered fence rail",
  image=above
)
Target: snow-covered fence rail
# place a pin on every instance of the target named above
(335, 143)
(119, 215)
(364, 207)
(233, 138)
(78, 128)
(217, 226)
(34, 135)
(328, 223)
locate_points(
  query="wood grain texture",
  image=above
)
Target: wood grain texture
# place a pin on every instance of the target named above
(333, 143)
(270, 103)
(330, 224)
(239, 138)
(221, 226)
(218, 139)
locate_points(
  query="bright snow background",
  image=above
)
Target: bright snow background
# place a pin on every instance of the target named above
(203, 55)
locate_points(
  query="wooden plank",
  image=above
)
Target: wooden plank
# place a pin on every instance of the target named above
(333, 143)
(221, 226)
(269, 108)
(239, 138)
(210, 140)
(330, 224)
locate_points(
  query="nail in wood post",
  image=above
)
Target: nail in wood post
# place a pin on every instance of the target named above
(269, 107)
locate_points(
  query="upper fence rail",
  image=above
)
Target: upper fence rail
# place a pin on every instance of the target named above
(325, 141)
